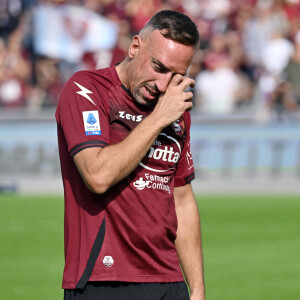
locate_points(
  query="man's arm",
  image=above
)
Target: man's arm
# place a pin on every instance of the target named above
(103, 168)
(188, 241)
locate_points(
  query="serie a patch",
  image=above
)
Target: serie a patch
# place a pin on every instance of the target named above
(91, 122)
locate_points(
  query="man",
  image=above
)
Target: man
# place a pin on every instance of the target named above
(131, 218)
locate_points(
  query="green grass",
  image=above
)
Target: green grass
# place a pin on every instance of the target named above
(31, 252)
(251, 247)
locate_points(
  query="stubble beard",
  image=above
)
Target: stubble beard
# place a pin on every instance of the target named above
(140, 99)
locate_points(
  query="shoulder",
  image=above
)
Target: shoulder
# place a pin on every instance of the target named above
(91, 77)
(84, 90)
(105, 78)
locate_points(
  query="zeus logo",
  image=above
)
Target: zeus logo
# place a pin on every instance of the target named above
(123, 115)
(84, 92)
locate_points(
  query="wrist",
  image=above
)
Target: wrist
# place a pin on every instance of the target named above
(198, 293)
(156, 121)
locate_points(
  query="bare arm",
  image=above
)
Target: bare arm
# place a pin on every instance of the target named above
(188, 241)
(103, 168)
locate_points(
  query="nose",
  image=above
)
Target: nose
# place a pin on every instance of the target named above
(162, 81)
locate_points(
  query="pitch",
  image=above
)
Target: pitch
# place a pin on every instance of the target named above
(251, 247)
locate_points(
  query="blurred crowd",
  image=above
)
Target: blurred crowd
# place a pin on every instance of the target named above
(248, 61)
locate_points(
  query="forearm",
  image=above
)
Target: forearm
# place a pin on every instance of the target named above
(189, 248)
(103, 168)
(113, 163)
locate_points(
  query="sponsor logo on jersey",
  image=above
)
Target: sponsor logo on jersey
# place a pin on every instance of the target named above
(151, 181)
(167, 154)
(124, 115)
(108, 261)
(164, 154)
(91, 122)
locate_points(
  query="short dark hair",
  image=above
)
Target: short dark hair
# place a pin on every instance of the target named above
(175, 26)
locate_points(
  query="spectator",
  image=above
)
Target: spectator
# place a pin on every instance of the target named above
(291, 74)
(275, 55)
(285, 100)
(274, 58)
(217, 88)
(220, 86)
(114, 9)
(256, 33)
(104, 58)
(10, 14)
(139, 12)
(46, 90)
(291, 9)
(249, 40)
(14, 71)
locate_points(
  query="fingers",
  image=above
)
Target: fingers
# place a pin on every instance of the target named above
(188, 96)
(177, 88)
(188, 102)
(176, 100)
(183, 82)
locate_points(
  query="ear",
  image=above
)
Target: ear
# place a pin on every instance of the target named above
(134, 46)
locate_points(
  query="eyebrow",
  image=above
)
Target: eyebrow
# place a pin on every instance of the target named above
(163, 66)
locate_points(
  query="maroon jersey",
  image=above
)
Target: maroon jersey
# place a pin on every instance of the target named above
(127, 233)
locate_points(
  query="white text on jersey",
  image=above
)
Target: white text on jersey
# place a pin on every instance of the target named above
(123, 115)
(164, 154)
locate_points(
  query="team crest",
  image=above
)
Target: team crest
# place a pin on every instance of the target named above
(108, 261)
(179, 127)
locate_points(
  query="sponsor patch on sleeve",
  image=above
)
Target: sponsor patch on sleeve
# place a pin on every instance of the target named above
(91, 122)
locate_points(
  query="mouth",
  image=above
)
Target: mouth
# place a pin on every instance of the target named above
(150, 93)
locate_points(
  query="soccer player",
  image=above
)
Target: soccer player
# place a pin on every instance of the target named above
(131, 219)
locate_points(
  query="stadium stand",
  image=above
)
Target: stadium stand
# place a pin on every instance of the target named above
(246, 98)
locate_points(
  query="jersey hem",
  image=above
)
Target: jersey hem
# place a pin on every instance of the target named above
(126, 278)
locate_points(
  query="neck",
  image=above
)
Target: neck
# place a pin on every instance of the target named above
(122, 70)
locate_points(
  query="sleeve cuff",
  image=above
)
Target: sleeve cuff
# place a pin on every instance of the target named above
(86, 145)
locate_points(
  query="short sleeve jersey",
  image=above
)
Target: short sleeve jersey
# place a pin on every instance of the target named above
(96, 110)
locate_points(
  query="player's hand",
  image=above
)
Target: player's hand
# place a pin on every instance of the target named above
(175, 101)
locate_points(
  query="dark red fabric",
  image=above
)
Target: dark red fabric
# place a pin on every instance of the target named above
(139, 212)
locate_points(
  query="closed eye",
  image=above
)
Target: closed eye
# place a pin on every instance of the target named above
(159, 66)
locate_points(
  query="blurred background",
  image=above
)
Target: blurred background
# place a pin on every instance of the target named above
(245, 135)
(246, 100)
